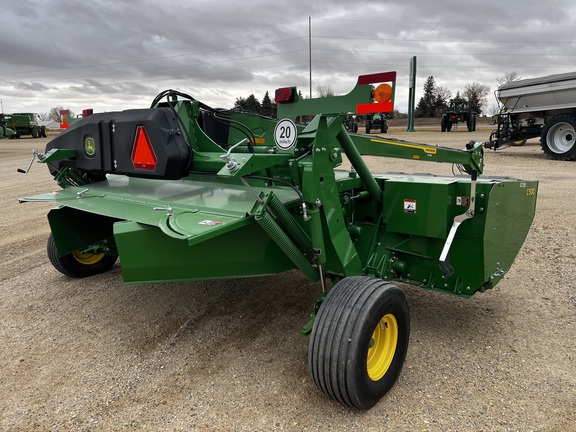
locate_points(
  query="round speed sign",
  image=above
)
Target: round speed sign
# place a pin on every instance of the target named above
(285, 134)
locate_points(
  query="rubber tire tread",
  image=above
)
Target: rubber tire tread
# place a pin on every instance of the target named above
(338, 323)
(69, 266)
(566, 156)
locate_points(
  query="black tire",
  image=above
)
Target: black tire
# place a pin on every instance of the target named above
(368, 126)
(358, 312)
(384, 126)
(444, 123)
(471, 123)
(34, 132)
(558, 138)
(448, 126)
(77, 264)
(43, 132)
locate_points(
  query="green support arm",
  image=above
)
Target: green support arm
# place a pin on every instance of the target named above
(472, 158)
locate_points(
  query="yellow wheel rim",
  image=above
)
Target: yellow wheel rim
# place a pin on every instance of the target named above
(87, 258)
(382, 347)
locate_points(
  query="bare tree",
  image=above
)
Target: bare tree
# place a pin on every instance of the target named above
(443, 96)
(54, 114)
(324, 90)
(476, 94)
(508, 77)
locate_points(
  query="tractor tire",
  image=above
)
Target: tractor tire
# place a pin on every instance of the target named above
(558, 138)
(359, 341)
(78, 264)
(368, 126)
(384, 126)
(518, 143)
(34, 132)
(43, 132)
(444, 123)
(471, 123)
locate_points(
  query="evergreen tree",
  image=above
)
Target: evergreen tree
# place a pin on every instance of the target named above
(428, 102)
(253, 104)
(240, 102)
(266, 109)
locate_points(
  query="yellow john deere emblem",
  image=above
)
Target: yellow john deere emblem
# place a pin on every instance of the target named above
(89, 146)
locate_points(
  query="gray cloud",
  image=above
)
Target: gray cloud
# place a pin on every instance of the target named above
(113, 55)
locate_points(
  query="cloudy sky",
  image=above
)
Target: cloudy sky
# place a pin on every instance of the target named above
(113, 54)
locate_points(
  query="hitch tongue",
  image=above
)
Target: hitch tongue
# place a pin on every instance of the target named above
(444, 261)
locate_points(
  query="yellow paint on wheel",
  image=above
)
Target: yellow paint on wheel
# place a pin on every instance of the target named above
(382, 347)
(87, 258)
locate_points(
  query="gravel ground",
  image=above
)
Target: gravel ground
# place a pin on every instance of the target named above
(98, 355)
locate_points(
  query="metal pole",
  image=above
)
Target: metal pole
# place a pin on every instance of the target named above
(411, 95)
(310, 51)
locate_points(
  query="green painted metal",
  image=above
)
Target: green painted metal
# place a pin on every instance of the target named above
(58, 154)
(19, 124)
(148, 255)
(6, 132)
(334, 105)
(471, 157)
(246, 206)
(276, 233)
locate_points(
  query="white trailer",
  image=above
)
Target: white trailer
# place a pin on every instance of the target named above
(544, 107)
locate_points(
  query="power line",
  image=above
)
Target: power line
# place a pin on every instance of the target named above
(444, 53)
(442, 40)
(448, 23)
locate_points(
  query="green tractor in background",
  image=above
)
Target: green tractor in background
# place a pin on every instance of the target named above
(378, 121)
(459, 111)
(24, 124)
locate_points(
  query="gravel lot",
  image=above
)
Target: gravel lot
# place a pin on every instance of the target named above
(98, 355)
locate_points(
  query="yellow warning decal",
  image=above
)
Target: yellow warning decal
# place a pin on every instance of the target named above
(425, 149)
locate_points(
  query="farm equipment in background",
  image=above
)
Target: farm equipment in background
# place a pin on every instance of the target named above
(350, 123)
(377, 121)
(182, 191)
(67, 119)
(459, 111)
(538, 107)
(5, 131)
(24, 124)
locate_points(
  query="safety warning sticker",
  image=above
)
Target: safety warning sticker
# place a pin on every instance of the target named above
(409, 206)
(463, 201)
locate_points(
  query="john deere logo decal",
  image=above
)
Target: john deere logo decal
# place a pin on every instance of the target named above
(89, 147)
